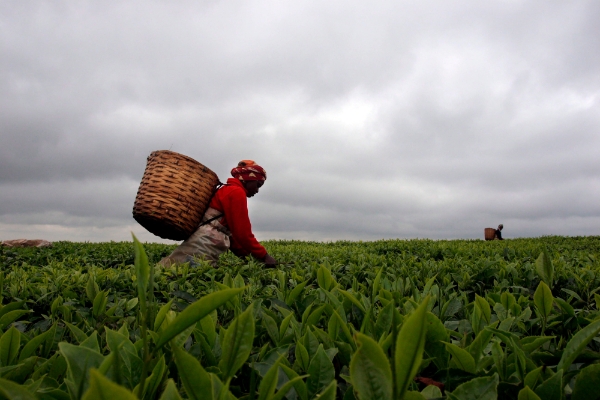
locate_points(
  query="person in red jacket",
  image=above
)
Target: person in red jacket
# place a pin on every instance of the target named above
(226, 224)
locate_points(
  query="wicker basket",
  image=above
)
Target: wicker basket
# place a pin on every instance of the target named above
(489, 233)
(174, 194)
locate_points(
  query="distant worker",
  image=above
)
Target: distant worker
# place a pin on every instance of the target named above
(498, 233)
(226, 224)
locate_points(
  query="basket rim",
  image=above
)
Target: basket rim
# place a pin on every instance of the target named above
(174, 153)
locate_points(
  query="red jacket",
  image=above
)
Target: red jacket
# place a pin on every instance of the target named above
(231, 200)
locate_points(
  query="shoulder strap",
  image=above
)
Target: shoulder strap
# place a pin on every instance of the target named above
(218, 186)
(210, 220)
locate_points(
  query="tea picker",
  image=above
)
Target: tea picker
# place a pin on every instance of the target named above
(498, 233)
(493, 234)
(190, 203)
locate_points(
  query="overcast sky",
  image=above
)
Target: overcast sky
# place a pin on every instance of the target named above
(384, 119)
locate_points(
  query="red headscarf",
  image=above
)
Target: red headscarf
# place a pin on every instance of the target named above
(248, 170)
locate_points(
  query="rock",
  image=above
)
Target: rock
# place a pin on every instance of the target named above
(27, 243)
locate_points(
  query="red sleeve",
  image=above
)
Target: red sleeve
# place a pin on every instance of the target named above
(235, 210)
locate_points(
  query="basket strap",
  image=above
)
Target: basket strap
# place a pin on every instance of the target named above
(219, 185)
(210, 220)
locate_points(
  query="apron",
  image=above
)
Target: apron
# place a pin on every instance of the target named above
(207, 243)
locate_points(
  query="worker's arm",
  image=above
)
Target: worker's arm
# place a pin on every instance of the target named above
(243, 242)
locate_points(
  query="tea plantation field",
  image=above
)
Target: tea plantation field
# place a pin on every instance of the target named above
(389, 319)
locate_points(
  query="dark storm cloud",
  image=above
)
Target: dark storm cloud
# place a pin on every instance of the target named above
(393, 119)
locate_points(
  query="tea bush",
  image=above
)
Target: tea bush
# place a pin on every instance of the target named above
(389, 319)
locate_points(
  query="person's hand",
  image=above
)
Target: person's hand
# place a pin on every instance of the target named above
(269, 261)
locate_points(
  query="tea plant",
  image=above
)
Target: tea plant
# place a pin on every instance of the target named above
(392, 319)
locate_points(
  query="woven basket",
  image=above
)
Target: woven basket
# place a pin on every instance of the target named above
(174, 194)
(490, 233)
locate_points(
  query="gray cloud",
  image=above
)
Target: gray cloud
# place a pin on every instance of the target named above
(395, 119)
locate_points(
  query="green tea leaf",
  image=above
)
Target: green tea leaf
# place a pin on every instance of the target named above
(413, 395)
(480, 342)
(11, 317)
(320, 371)
(484, 308)
(107, 363)
(484, 388)
(376, 283)
(11, 307)
(552, 388)
(268, 384)
(102, 388)
(329, 392)
(334, 302)
(298, 384)
(22, 371)
(13, 391)
(451, 307)
(566, 307)
(302, 357)
(78, 334)
(99, 306)
(284, 325)
(310, 342)
(162, 313)
(533, 377)
(181, 338)
(207, 326)
(170, 392)
(370, 370)
(409, 347)
(237, 343)
(314, 316)
(532, 343)
(35, 342)
(91, 342)
(196, 381)
(142, 271)
(91, 288)
(499, 359)
(287, 387)
(294, 293)
(544, 268)
(527, 394)
(79, 361)
(324, 278)
(238, 281)
(353, 300)
(476, 320)
(431, 392)
(220, 391)
(127, 360)
(131, 303)
(195, 312)
(577, 343)
(9, 346)
(271, 327)
(587, 383)
(543, 299)
(344, 328)
(384, 320)
(462, 358)
(49, 343)
(434, 341)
